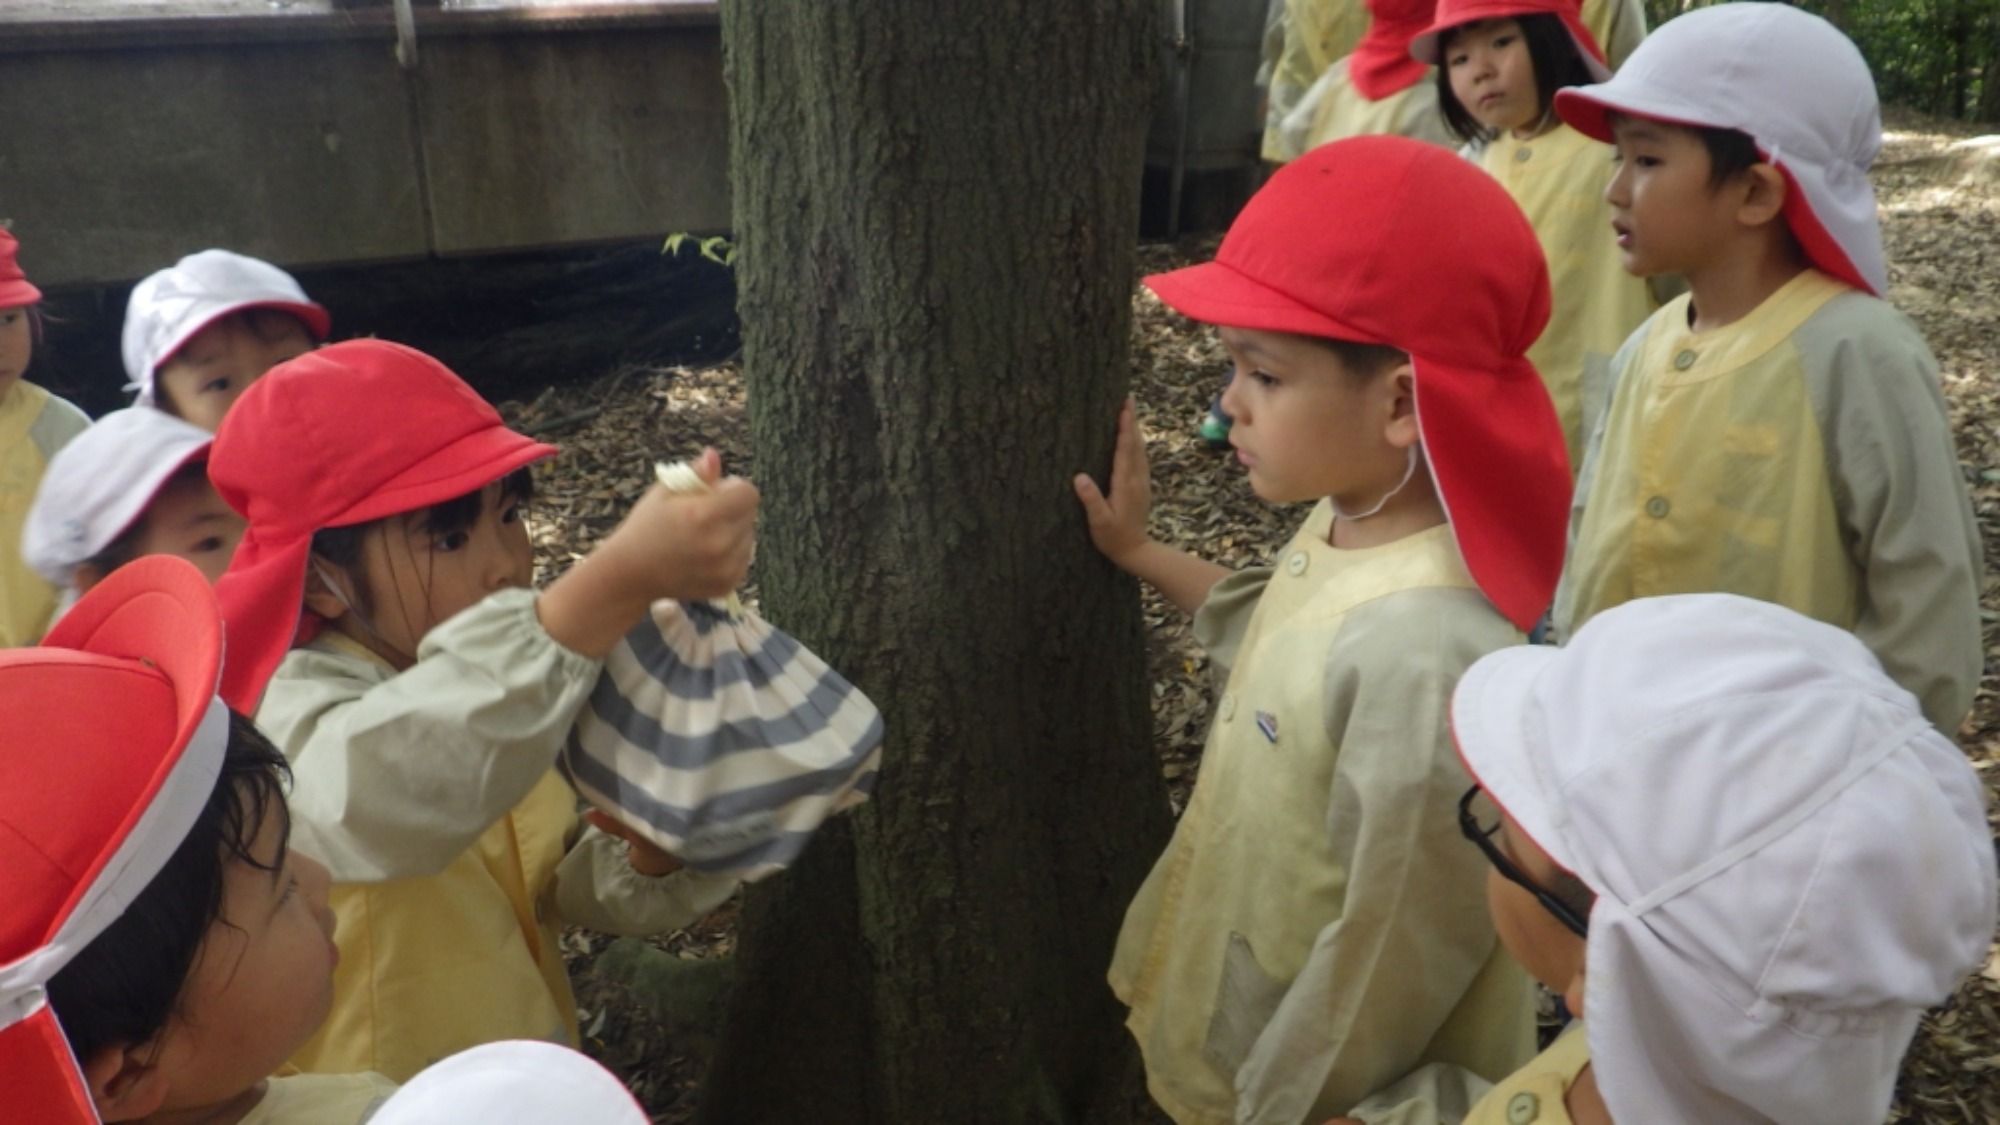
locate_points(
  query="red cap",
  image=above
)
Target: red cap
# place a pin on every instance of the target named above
(15, 288)
(114, 742)
(1458, 13)
(1386, 240)
(349, 433)
(1381, 64)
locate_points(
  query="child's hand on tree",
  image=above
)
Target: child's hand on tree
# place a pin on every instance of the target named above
(646, 857)
(1118, 522)
(679, 545)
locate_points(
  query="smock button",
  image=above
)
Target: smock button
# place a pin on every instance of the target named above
(1524, 1109)
(1658, 507)
(1227, 709)
(1297, 563)
(1522, 154)
(1684, 360)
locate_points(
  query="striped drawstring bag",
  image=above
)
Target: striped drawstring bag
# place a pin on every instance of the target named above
(720, 738)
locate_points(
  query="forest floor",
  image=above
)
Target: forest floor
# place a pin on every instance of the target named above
(1940, 194)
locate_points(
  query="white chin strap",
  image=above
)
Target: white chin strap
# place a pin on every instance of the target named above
(1409, 472)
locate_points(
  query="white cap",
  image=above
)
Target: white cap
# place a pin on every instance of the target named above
(1790, 863)
(1796, 85)
(168, 308)
(516, 1082)
(98, 484)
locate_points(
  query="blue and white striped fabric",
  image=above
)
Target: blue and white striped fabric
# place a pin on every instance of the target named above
(722, 739)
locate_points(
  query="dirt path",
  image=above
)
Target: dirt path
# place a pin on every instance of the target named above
(1940, 197)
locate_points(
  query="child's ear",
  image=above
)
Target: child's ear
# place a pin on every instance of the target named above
(1764, 192)
(1401, 380)
(319, 597)
(128, 1083)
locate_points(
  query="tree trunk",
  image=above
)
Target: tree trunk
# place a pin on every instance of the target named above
(936, 205)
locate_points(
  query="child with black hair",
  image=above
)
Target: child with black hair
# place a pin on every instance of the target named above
(34, 424)
(1312, 931)
(134, 484)
(1500, 65)
(164, 948)
(199, 332)
(382, 623)
(1779, 432)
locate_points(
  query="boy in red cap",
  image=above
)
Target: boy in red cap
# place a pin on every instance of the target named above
(1313, 930)
(162, 950)
(382, 623)
(1779, 432)
(33, 425)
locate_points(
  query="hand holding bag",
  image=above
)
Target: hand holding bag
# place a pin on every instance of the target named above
(720, 738)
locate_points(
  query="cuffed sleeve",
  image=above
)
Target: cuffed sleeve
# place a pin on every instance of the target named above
(395, 774)
(596, 887)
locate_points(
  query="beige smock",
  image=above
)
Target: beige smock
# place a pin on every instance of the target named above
(320, 1099)
(1558, 180)
(1440, 1095)
(1333, 109)
(1801, 456)
(33, 425)
(453, 844)
(1317, 927)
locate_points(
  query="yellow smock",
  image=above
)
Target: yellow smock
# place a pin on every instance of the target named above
(456, 851)
(1532, 1095)
(1314, 34)
(320, 1099)
(1334, 109)
(1317, 926)
(1558, 180)
(1617, 25)
(1801, 456)
(33, 425)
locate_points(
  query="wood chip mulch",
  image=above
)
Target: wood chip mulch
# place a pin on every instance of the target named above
(1941, 212)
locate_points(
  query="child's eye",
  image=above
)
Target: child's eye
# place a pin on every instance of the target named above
(216, 386)
(510, 514)
(1504, 41)
(9, 317)
(1458, 58)
(452, 541)
(1264, 379)
(291, 889)
(212, 543)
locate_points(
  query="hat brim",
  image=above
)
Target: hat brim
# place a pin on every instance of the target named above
(1424, 46)
(1493, 724)
(1220, 294)
(158, 609)
(15, 294)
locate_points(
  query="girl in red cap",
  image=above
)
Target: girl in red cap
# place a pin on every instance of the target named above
(382, 624)
(33, 425)
(1500, 63)
(1314, 930)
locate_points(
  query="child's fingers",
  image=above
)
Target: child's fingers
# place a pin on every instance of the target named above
(708, 466)
(1095, 508)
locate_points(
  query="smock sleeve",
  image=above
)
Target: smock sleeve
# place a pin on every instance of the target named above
(1901, 500)
(395, 774)
(597, 888)
(1413, 935)
(1224, 619)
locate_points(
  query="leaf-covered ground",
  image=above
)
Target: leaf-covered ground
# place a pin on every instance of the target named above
(1940, 194)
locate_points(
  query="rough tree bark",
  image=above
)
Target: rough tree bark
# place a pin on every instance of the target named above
(936, 205)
